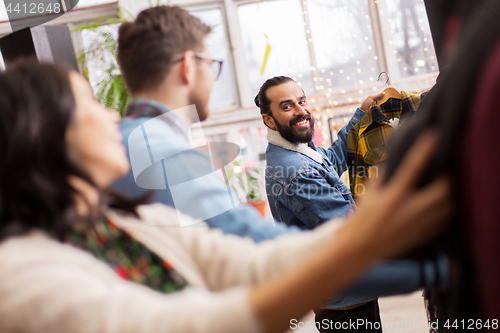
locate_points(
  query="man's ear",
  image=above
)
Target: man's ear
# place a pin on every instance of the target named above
(188, 67)
(269, 122)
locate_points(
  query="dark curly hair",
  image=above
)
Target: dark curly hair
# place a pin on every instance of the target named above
(37, 106)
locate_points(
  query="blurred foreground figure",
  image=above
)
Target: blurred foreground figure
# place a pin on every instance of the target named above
(464, 107)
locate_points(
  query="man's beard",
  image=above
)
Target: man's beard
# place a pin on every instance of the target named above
(288, 133)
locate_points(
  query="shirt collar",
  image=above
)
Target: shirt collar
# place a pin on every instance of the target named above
(396, 109)
(275, 138)
(149, 108)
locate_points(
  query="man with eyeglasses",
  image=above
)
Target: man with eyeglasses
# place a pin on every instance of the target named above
(170, 73)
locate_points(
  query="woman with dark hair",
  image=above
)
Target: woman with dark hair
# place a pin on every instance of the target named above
(61, 231)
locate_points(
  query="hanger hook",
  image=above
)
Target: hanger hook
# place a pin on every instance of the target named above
(386, 82)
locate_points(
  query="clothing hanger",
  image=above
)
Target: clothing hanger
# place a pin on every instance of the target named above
(390, 92)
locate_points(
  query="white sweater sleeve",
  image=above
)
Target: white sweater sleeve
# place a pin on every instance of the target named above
(46, 286)
(226, 260)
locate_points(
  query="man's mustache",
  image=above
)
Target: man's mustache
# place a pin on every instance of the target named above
(298, 119)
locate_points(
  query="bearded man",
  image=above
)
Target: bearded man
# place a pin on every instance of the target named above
(303, 184)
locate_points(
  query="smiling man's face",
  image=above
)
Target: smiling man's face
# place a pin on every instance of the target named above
(290, 113)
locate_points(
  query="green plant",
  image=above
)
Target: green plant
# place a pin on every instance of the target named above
(244, 179)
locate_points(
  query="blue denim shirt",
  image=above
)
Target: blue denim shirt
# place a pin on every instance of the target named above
(304, 188)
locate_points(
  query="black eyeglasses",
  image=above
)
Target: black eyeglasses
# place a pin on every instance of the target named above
(215, 64)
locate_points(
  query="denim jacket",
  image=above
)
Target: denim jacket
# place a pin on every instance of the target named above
(304, 188)
(303, 182)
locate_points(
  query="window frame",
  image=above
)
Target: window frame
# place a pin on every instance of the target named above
(237, 62)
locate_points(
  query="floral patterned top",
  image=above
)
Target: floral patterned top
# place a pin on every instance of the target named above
(129, 258)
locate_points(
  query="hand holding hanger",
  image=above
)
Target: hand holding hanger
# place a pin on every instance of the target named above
(390, 92)
(365, 106)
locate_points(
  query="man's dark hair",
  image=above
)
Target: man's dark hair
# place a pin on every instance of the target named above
(261, 100)
(147, 47)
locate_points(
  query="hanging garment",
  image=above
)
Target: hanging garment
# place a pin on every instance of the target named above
(367, 140)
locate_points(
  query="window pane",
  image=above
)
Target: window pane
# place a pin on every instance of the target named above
(283, 22)
(342, 35)
(223, 94)
(410, 43)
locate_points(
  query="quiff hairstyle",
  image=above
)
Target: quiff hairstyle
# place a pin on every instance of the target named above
(148, 46)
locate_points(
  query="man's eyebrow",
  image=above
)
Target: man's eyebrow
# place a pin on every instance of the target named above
(289, 100)
(285, 101)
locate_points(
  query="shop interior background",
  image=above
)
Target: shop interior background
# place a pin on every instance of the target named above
(334, 49)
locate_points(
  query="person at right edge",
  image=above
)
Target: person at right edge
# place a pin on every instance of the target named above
(463, 105)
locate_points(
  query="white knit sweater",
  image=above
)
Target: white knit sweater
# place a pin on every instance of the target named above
(46, 286)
